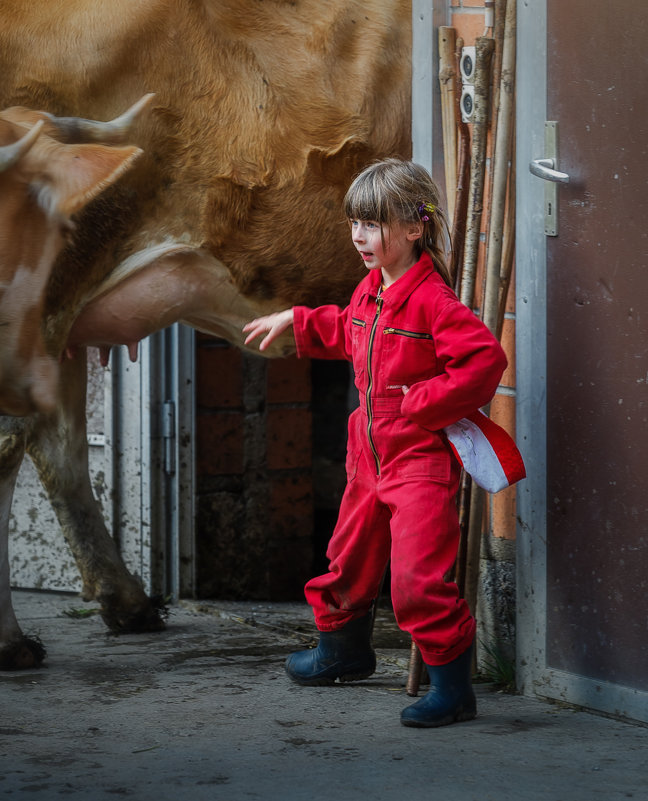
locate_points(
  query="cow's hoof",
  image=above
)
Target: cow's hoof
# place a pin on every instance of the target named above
(147, 618)
(28, 652)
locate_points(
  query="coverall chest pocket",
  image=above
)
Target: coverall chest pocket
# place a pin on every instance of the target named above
(359, 346)
(410, 355)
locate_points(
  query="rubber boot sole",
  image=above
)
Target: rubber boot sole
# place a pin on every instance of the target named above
(459, 716)
(332, 677)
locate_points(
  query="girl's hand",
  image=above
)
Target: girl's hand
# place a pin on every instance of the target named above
(274, 324)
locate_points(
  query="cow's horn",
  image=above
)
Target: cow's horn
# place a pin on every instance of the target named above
(77, 129)
(10, 154)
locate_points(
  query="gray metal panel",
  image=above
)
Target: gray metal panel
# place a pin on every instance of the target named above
(177, 502)
(129, 442)
(530, 301)
(151, 442)
(427, 148)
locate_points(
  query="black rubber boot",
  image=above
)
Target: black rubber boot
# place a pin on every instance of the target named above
(451, 698)
(345, 654)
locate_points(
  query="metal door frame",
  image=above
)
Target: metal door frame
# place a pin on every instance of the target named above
(149, 460)
(427, 136)
(534, 675)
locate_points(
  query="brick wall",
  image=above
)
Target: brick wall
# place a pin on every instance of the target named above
(254, 522)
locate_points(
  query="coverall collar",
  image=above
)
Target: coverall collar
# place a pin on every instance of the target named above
(396, 294)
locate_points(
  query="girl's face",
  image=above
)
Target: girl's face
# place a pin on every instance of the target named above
(397, 254)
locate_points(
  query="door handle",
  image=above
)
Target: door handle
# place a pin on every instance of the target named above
(545, 169)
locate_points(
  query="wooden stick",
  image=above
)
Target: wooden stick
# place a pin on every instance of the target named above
(508, 252)
(477, 495)
(464, 520)
(447, 82)
(473, 549)
(463, 177)
(483, 53)
(415, 668)
(492, 304)
(501, 162)
(458, 240)
(498, 36)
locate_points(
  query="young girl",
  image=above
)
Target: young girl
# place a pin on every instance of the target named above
(422, 360)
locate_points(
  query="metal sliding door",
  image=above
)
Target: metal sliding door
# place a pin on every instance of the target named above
(583, 354)
(141, 439)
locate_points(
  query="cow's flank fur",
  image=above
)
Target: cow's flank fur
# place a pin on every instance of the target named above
(263, 111)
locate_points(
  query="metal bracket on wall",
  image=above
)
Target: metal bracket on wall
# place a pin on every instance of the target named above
(547, 169)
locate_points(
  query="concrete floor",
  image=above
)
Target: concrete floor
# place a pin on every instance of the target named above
(205, 711)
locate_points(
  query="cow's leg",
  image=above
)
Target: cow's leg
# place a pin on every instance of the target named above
(58, 446)
(16, 650)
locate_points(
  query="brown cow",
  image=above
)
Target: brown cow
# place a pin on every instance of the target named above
(42, 184)
(263, 111)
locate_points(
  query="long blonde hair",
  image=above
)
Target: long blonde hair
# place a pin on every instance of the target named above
(392, 191)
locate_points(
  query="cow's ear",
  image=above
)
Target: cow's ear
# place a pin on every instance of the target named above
(78, 173)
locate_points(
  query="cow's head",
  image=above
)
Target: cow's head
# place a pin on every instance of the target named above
(43, 183)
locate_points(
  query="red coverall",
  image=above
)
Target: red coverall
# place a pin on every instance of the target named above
(402, 478)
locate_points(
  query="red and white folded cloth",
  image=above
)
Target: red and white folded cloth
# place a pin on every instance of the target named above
(486, 451)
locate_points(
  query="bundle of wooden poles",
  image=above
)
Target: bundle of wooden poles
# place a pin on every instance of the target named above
(467, 150)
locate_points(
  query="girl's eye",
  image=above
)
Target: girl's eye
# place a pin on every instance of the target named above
(372, 224)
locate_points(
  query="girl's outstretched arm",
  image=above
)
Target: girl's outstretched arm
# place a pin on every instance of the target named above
(273, 324)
